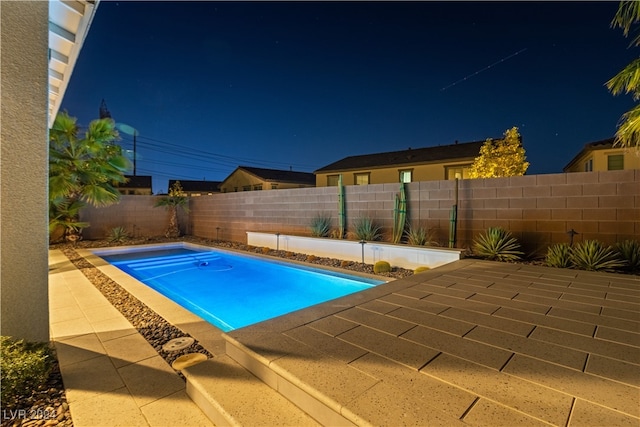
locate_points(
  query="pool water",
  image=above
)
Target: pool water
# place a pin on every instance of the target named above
(233, 290)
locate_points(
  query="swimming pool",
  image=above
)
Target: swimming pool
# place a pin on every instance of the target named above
(232, 290)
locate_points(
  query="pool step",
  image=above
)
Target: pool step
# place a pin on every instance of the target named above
(231, 396)
(320, 407)
(171, 261)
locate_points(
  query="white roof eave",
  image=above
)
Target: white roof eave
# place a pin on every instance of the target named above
(69, 22)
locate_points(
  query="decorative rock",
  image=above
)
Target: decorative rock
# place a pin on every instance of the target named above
(187, 360)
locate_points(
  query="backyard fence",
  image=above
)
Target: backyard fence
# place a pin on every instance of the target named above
(538, 210)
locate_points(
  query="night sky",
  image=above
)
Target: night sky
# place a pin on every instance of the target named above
(210, 86)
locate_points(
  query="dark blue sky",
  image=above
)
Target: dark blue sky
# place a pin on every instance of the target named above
(213, 85)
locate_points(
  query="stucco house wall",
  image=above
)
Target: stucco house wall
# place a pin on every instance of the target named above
(599, 159)
(24, 236)
(389, 175)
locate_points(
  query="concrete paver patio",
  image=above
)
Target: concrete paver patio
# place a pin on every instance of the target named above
(469, 343)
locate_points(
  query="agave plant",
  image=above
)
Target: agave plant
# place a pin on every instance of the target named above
(420, 236)
(320, 225)
(629, 252)
(497, 244)
(594, 256)
(118, 235)
(365, 229)
(559, 256)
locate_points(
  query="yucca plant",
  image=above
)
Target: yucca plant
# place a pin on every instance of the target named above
(629, 252)
(320, 225)
(420, 236)
(118, 235)
(594, 256)
(497, 244)
(559, 256)
(365, 229)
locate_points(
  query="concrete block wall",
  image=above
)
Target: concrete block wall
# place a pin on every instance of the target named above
(136, 214)
(537, 209)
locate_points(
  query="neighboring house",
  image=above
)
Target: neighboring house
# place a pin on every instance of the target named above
(140, 185)
(197, 188)
(415, 164)
(602, 156)
(247, 178)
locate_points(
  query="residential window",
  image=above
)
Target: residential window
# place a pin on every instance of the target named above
(274, 186)
(246, 188)
(615, 162)
(406, 175)
(332, 180)
(257, 187)
(453, 172)
(588, 165)
(361, 178)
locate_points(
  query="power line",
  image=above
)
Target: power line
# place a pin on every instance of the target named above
(484, 69)
(205, 156)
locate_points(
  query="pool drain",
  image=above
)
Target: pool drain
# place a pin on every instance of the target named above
(178, 344)
(187, 360)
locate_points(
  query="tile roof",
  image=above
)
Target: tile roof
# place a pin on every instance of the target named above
(591, 146)
(137, 181)
(276, 175)
(440, 153)
(208, 186)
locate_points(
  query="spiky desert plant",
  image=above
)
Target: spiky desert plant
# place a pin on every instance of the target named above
(365, 229)
(559, 256)
(497, 244)
(594, 256)
(118, 235)
(399, 215)
(420, 236)
(629, 252)
(320, 225)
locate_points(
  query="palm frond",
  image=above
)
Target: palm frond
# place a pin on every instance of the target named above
(628, 14)
(100, 195)
(627, 80)
(628, 133)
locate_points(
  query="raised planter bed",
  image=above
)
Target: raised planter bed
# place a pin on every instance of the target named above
(397, 255)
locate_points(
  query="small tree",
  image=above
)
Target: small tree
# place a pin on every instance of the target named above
(176, 199)
(501, 158)
(82, 170)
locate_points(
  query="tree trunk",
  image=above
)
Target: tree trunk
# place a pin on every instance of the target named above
(173, 230)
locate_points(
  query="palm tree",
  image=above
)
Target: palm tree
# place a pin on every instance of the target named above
(82, 171)
(176, 199)
(628, 80)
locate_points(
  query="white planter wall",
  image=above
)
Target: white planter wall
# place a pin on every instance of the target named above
(403, 256)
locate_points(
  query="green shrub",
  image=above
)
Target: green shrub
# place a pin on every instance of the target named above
(593, 256)
(320, 225)
(118, 235)
(420, 236)
(497, 244)
(381, 267)
(629, 252)
(365, 229)
(25, 367)
(420, 269)
(559, 256)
